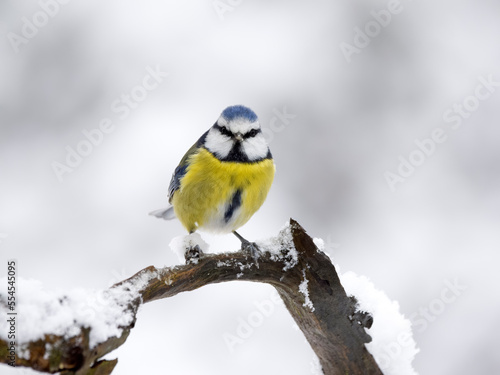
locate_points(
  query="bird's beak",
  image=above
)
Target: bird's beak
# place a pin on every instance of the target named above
(239, 137)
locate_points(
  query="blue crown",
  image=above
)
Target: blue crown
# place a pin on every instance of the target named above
(239, 111)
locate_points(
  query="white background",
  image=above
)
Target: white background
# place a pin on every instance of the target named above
(353, 121)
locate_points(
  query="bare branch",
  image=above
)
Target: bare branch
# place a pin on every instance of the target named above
(325, 314)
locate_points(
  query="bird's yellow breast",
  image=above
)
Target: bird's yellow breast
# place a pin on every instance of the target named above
(209, 186)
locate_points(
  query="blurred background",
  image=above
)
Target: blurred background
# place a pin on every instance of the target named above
(337, 123)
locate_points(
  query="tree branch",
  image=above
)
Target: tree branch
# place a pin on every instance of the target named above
(304, 277)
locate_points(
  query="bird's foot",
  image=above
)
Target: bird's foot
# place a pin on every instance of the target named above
(252, 249)
(193, 254)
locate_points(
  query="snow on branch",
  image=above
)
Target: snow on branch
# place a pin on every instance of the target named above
(70, 333)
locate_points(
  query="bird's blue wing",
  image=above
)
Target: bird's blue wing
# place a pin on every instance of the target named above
(181, 169)
(175, 182)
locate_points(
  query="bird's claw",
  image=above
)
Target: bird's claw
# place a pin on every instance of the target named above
(253, 249)
(193, 254)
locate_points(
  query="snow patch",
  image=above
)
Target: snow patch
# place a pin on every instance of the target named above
(48, 348)
(180, 244)
(320, 243)
(316, 368)
(63, 313)
(393, 346)
(305, 291)
(281, 247)
(244, 267)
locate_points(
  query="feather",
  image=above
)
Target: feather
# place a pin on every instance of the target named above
(180, 171)
(164, 213)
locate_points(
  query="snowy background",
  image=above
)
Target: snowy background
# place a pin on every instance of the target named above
(432, 244)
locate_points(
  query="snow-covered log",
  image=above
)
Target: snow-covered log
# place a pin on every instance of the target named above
(71, 340)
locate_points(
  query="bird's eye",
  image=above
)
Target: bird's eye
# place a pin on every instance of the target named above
(225, 131)
(252, 133)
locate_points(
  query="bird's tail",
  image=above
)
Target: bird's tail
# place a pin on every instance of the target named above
(164, 213)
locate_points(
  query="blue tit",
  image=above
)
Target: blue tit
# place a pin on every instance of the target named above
(224, 178)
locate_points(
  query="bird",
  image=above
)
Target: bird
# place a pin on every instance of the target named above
(224, 178)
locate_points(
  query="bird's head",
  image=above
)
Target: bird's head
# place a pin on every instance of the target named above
(237, 136)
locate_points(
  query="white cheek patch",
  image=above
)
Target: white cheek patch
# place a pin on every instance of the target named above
(218, 144)
(256, 147)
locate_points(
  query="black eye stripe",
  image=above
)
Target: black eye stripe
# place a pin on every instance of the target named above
(225, 131)
(252, 133)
